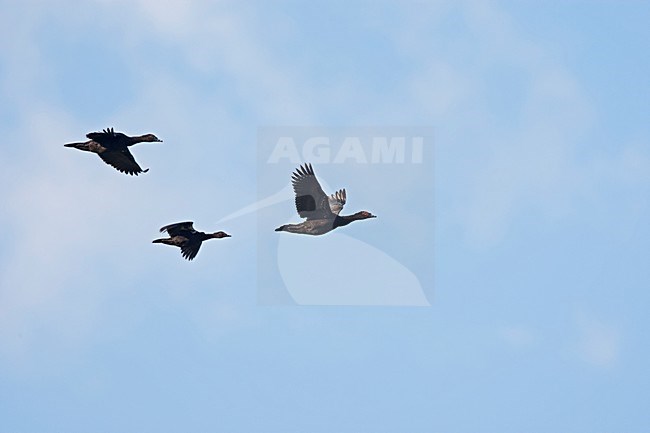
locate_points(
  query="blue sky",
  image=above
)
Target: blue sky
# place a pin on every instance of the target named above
(538, 301)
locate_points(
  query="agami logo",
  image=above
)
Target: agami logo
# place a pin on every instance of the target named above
(360, 150)
(385, 170)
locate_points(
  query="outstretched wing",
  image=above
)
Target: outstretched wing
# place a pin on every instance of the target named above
(122, 160)
(179, 229)
(311, 201)
(190, 250)
(107, 136)
(337, 201)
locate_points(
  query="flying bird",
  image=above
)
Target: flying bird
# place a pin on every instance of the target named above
(321, 211)
(113, 148)
(189, 240)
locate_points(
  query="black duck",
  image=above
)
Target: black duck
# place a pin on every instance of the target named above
(184, 236)
(113, 148)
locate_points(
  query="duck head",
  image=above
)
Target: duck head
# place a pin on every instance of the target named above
(150, 138)
(364, 215)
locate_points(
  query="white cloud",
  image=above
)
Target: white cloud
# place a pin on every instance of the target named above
(55, 211)
(51, 216)
(516, 335)
(441, 89)
(79, 228)
(504, 166)
(599, 343)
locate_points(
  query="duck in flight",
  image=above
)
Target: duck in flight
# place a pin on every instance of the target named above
(189, 240)
(321, 212)
(113, 148)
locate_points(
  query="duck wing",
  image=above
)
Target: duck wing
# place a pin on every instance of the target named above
(106, 137)
(311, 200)
(190, 250)
(179, 229)
(337, 201)
(109, 138)
(122, 160)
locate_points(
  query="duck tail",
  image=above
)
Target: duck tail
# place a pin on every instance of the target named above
(80, 146)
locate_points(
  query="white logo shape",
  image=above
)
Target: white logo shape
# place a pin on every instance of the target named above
(336, 269)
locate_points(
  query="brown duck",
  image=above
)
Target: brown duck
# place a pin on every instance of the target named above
(113, 148)
(321, 212)
(184, 236)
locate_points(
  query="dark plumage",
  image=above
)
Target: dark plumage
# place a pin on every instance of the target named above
(189, 240)
(113, 148)
(321, 212)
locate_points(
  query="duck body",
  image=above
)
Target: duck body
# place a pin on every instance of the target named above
(320, 211)
(113, 148)
(310, 227)
(189, 240)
